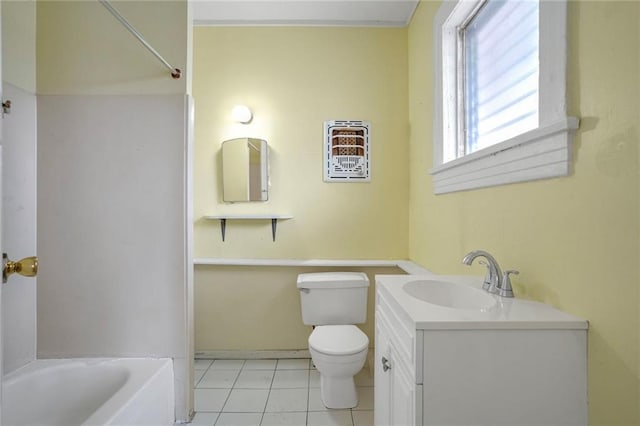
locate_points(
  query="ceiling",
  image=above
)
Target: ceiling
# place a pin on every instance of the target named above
(379, 13)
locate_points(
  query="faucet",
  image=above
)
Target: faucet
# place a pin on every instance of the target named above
(495, 281)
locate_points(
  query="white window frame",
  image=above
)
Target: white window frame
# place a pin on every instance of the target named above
(541, 153)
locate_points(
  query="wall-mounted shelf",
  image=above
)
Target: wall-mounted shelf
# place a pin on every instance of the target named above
(273, 217)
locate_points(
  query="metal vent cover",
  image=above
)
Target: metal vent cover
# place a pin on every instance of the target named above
(346, 151)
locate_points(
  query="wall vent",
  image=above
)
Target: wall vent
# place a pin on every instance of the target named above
(346, 151)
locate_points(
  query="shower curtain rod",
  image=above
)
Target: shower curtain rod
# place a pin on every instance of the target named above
(175, 72)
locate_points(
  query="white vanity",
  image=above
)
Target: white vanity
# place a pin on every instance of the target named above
(449, 353)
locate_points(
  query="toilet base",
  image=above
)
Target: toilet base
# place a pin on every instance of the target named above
(338, 392)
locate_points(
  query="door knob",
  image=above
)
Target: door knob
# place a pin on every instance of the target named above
(27, 267)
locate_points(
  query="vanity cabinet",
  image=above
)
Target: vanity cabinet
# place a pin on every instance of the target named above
(519, 363)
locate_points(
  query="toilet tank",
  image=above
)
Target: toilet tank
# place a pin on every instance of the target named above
(333, 298)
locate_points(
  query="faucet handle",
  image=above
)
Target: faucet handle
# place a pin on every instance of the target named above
(506, 290)
(487, 278)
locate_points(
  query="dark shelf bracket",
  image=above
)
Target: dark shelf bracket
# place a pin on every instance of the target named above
(223, 227)
(274, 226)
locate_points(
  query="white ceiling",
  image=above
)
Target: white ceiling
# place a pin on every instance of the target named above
(379, 13)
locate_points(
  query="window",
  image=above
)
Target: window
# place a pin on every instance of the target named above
(500, 72)
(499, 93)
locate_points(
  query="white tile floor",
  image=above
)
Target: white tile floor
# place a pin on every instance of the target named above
(283, 392)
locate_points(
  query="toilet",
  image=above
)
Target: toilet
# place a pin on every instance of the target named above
(333, 302)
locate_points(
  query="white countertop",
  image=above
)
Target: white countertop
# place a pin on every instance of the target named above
(506, 313)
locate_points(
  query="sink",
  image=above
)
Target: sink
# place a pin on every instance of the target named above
(448, 294)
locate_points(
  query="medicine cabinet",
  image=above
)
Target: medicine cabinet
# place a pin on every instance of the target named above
(245, 164)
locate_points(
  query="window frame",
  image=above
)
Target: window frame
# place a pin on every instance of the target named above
(541, 153)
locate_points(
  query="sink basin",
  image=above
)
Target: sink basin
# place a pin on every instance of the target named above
(448, 294)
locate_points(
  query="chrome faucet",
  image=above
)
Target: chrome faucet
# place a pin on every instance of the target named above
(495, 281)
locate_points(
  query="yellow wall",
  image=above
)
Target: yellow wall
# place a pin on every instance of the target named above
(258, 308)
(19, 44)
(575, 240)
(293, 79)
(82, 49)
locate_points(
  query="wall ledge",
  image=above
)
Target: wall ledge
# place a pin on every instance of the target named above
(406, 265)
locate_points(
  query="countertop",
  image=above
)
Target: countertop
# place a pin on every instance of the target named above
(506, 313)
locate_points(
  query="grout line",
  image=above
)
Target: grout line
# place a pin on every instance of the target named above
(206, 370)
(235, 381)
(275, 368)
(230, 391)
(306, 421)
(195, 384)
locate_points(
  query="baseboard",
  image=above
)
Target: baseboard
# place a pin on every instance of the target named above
(246, 354)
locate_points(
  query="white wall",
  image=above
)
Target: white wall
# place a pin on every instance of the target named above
(111, 228)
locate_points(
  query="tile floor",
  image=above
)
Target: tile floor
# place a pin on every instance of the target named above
(283, 392)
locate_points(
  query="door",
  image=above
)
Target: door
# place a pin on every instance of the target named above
(18, 183)
(1, 222)
(18, 136)
(1, 348)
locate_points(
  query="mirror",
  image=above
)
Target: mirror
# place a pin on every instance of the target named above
(244, 170)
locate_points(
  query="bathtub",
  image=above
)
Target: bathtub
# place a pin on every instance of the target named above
(96, 391)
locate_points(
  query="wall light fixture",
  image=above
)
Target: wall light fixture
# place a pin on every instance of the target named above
(241, 114)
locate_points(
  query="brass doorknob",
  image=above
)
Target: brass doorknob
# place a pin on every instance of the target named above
(27, 267)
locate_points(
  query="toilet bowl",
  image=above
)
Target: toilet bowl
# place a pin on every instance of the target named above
(339, 353)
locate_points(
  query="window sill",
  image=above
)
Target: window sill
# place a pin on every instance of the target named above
(539, 154)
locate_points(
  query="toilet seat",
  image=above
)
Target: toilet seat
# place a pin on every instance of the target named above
(338, 340)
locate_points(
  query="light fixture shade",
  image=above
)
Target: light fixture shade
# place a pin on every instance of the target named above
(241, 114)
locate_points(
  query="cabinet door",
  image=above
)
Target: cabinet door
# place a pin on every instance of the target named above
(402, 393)
(382, 379)
(395, 390)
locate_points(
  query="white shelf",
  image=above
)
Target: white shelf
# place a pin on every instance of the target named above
(274, 218)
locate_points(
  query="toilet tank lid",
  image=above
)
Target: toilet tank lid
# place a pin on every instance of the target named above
(333, 280)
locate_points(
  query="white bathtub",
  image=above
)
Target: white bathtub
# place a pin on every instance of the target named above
(66, 392)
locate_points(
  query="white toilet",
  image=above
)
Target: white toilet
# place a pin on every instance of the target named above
(333, 302)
